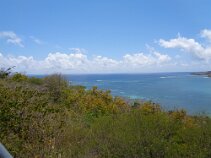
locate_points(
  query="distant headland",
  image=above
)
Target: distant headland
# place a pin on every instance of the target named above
(207, 73)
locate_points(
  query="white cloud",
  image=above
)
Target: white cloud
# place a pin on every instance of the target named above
(206, 34)
(12, 38)
(188, 45)
(80, 63)
(77, 50)
(64, 61)
(141, 59)
(36, 40)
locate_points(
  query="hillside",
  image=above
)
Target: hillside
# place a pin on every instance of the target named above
(50, 118)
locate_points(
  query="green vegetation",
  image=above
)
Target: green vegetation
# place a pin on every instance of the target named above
(50, 118)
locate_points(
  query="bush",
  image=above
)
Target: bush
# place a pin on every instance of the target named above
(36, 81)
(55, 85)
(153, 135)
(27, 122)
(18, 77)
(50, 118)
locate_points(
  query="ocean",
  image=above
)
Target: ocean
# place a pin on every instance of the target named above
(170, 90)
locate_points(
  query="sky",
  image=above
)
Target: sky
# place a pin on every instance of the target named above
(105, 36)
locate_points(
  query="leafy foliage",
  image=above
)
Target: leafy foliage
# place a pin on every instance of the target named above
(18, 77)
(48, 117)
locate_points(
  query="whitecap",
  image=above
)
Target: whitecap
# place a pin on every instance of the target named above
(168, 76)
(121, 81)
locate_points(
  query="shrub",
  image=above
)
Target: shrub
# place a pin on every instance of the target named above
(153, 135)
(149, 108)
(55, 85)
(36, 81)
(18, 77)
(30, 126)
(50, 118)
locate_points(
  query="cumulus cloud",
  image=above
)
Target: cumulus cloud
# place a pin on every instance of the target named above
(12, 38)
(189, 45)
(65, 61)
(100, 64)
(140, 59)
(206, 34)
(79, 63)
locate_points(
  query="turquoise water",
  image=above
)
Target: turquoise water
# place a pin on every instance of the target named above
(171, 90)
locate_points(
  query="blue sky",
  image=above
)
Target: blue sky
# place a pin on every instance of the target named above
(105, 36)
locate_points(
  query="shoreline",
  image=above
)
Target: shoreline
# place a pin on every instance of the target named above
(206, 73)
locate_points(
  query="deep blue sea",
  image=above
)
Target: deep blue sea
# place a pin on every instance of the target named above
(171, 90)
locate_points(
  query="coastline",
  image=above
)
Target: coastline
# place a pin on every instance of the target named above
(206, 73)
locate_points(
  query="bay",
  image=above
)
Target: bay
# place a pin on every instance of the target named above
(171, 90)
